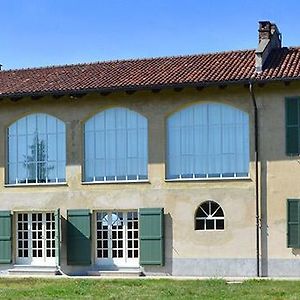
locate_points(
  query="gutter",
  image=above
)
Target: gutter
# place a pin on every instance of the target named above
(256, 150)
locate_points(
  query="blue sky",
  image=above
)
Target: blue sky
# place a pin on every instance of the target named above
(51, 32)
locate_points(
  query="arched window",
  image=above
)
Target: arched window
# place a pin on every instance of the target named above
(116, 146)
(36, 150)
(208, 141)
(209, 216)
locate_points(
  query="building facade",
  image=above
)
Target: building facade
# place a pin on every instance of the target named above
(178, 166)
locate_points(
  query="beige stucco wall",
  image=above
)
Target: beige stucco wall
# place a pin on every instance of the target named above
(180, 199)
(279, 174)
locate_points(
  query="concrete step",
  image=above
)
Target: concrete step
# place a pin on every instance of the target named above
(126, 272)
(26, 270)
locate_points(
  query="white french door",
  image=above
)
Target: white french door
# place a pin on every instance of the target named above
(35, 238)
(117, 239)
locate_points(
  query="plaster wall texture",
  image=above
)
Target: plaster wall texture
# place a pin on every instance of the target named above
(184, 246)
(279, 178)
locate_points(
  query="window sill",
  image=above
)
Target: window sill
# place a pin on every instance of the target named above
(209, 179)
(115, 182)
(209, 230)
(36, 184)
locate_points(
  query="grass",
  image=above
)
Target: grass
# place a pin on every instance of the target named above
(36, 288)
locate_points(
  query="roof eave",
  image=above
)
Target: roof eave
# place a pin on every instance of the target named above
(145, 87)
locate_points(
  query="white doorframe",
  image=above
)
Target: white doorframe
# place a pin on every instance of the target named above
(112, 242)
(35, 238)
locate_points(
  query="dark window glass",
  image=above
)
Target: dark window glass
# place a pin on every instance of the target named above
(209, 216)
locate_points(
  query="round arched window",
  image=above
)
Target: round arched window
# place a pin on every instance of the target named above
(36, 150)
(209, 216)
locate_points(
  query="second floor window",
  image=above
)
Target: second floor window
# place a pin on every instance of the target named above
(208, 141)
(116, 146)
(36, 150)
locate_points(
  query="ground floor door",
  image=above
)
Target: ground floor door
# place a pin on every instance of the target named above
(117, 239)
(35, 238)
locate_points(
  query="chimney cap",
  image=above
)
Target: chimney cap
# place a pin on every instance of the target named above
(269, 38)
(264, 25)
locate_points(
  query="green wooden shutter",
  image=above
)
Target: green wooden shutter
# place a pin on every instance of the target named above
(293, 223)
(57, 236)
(79, 237)
(151, 223)
(5, 237)
(292, 125)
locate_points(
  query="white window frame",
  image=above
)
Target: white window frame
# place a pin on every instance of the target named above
(126, 178)
(194, 176)
(210, 216)
(18, 181)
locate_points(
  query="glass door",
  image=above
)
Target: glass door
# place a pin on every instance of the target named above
(117, 241)
(35, 238)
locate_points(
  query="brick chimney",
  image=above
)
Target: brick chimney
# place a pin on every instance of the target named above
(269, 38)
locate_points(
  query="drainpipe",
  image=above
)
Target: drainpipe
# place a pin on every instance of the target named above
(251, 90)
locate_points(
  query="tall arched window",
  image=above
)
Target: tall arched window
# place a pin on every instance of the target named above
(36, 150)
(116, 146)
(208, 141)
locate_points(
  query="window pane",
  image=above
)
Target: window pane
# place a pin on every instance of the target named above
(89, 146)
(52, 147)
(61, 171)
(34, 148)
(32, 172)
(21, 145)
(98, 168)
(132, 143)
(208, 140)
(22, 172)
(89, 170)
(116, 147)
(110, 120)
(89, 125)
(132, 120)
(42, 123)
(31, 124)
(201, 212)
(12, 171)
(51, 124)
(52, 171)
(22, 126)
(42, 171)
(199, 224)
(219, 224)
(205, 208)
(209, 216)
(100, 146)
(210, 224)
(121, 145)
(42, 148)
(12, 130)
(12, 149)
(61, 147)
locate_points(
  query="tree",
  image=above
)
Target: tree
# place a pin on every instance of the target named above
(37, 162)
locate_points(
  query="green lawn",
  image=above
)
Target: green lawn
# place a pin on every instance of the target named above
(33, 288)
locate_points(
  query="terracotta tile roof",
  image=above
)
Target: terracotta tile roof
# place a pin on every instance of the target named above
(216, 68)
